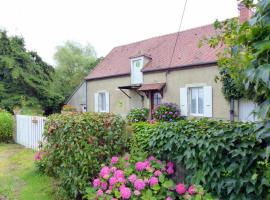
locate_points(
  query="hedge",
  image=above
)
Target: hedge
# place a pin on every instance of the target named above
(6, 126)
(227, 158)
(77, 145)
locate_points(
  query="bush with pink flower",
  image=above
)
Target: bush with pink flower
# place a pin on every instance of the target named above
(145, 178)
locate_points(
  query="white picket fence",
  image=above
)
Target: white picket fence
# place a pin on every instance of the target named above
(29, 130)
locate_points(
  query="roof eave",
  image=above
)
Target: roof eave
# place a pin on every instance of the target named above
(179, 67)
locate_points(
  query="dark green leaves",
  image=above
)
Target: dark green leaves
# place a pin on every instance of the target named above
(221, 156)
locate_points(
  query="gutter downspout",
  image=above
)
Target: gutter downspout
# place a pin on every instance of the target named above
(86, 96)
(231, 109)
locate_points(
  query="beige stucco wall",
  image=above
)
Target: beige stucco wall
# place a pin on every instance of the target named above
(121, 104)
(78, 98)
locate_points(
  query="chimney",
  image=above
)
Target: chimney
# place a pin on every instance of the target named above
(244, 13)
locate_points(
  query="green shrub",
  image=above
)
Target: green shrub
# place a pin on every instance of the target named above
(140, 139)
(77, 144)
(6, 126)
(227, 158)
(138, 115)
(167, 112)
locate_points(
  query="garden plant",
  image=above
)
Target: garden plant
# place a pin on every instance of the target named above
(145, 179)
(6, 126)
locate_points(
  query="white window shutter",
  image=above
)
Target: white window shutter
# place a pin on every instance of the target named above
(96, 102)
(183, 101)
(107, 101)
(208, 101)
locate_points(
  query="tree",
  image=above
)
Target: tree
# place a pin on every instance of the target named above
(24, 77)
(73, 62)
(246, 57)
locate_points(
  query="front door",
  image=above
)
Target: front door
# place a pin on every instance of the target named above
(155, 99)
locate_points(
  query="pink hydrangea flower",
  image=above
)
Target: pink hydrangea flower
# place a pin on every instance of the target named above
(168, 198)
(113, 181)
(121, 180)
(99, 193)
(119, 173)
(153, 181)
(192, 190)
(113, 169)
(105, 172)
(180, 188)
(38, 156)
(159, 162)
(126, 158)
(140, 166)
(96, 183)
(104, 186)
(108, 191)
(126, 164)
(170, 164)
(151, 158)
(125, 192)
(146, 180)
(139, 184)
(132, 178)
(114, 160)
(170, 170)
(157, 173)
(147, 163)
(137, 193)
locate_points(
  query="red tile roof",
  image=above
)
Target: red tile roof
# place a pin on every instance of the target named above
(152, 86)
(160, 49)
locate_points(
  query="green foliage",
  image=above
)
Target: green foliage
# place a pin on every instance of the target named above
(77, 144)
(166, 112)
(224, 157)
(73, 64)
(245, 60)
(6, 126)
(142, 133)
(138, 115)
(23, 74)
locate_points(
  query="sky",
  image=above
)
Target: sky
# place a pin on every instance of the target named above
(46, 24)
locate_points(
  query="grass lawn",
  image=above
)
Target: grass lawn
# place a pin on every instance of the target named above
(18, 178)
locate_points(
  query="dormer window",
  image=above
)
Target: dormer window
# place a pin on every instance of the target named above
(136, 70)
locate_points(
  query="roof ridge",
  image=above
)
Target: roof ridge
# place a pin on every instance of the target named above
(159, 36)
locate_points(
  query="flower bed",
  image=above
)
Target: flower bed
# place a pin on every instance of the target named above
(146, 179)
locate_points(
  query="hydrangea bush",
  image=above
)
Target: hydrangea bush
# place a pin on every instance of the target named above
(148, 179)
(167, 112)
(138, 115)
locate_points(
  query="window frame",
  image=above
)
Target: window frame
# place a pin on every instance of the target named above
(105, 106)
(197, 114)
(132, 65)
(157, 93)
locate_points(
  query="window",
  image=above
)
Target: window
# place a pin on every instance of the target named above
(136, 73)
(102, 102)
(196, 101)
(157, 98)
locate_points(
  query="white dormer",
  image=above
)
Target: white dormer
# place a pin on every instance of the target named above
(136, 70)
(137, 63)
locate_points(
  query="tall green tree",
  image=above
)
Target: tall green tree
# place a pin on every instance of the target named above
(246, 59)
(24, 77)
(73, 62)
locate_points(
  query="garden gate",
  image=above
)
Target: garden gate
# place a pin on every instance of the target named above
(29, 130)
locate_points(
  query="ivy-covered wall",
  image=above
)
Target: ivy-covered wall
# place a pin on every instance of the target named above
(228, 159)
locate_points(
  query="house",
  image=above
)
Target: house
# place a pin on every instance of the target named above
(144, 74)
(78, 98)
